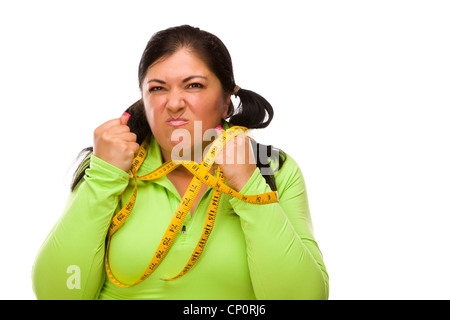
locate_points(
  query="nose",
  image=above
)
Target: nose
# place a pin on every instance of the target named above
(175, 102)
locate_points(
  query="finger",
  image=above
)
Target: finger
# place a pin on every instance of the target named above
(124, 118)
(109, 124)
(219, 129)
(244, 146)
(136, 148)
(219, 156)
(128, 136)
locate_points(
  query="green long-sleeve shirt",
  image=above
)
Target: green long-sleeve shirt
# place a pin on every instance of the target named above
(254, 252)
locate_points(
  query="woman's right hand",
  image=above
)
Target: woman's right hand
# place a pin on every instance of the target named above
(115, 143)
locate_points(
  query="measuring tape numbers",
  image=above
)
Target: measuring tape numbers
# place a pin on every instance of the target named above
(201, 176)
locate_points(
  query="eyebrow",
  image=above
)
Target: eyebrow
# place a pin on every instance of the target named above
(184, 80)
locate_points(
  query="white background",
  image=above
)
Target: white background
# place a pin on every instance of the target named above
(361, 97)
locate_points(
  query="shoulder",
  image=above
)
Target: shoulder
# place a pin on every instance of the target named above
(287, 173)
(274, 163)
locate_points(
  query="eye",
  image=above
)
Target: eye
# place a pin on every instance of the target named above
(195, 86)
(152, 89)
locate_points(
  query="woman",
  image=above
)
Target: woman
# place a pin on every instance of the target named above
(256, 251)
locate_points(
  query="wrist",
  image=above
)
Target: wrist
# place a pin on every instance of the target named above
(105, 170)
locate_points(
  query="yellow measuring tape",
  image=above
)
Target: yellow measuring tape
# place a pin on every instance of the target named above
(201, 175)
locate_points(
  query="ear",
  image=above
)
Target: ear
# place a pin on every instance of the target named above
(227, 105)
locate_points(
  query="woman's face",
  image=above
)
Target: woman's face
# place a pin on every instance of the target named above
(178, 91)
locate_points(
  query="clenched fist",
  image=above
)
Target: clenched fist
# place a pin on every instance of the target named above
(236, 160)
(115, 144)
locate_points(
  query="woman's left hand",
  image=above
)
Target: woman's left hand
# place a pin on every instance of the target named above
(236, 161)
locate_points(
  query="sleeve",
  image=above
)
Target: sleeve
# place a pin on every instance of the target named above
(69, 264)
(284, 259)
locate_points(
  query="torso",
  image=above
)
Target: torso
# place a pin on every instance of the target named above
(182, 184)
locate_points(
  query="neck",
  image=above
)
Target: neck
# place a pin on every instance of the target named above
(198, 158)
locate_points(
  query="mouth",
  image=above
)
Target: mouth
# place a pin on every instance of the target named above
(177, 122)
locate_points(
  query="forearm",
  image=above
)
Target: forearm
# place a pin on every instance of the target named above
(282, 263)
(69, 264)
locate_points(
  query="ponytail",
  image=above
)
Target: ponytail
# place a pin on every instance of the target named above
(252, 110)
(138, 121)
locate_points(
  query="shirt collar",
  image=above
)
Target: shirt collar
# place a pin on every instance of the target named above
(153, 159)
